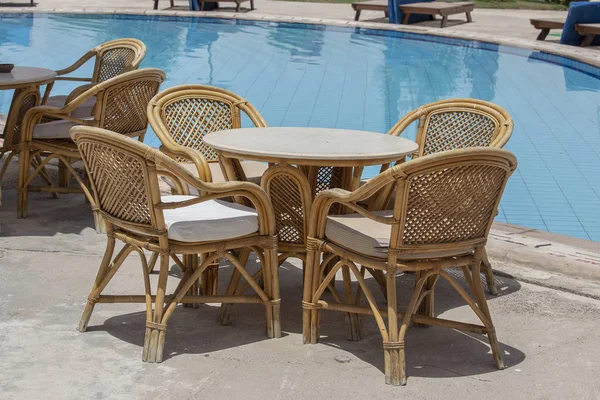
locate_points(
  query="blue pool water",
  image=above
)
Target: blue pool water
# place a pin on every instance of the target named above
(299, 75)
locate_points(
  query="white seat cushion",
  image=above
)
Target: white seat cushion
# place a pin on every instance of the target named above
(84, 110)
(55, 129)
(253, 170)
(371, 238)
(210, 221)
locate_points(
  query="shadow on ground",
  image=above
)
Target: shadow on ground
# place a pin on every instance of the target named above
(431, 352)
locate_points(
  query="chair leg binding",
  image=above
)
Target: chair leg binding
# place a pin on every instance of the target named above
(87, 313)
(395, 369)
(154, 342)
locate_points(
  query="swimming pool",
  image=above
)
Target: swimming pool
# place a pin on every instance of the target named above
(313, 75)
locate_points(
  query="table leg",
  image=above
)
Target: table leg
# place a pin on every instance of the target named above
(587, 40)
(47, 92)
(543, 34)
(228, 167)
(357, 15)
(469, 18)
(444, 21)
(405, 19)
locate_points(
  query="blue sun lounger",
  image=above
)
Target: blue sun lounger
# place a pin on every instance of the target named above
(580, 13)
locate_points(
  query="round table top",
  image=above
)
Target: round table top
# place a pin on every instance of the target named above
(20, 76)
(311, 146)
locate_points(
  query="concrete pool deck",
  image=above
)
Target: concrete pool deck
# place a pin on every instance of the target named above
(48, 262)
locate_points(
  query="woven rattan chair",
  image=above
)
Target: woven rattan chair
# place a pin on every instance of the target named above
(122, 103)
(111, 59)
(182, 115)
(27, 98)
(455, 124)
(124, 180)
(443, 210)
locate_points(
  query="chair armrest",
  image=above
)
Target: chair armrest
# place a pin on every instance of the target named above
(254, 193)
(404, 122)
(87, 56)
(34, 116)
(329, 197)
(72, 78)
(77, 91)
(192, 156)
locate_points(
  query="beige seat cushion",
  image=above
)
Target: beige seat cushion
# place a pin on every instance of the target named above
(253, 170)
(55, 129)
(209, 221)
(371, 238)
(84, 110)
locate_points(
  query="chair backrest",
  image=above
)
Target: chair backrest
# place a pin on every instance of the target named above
(122, 101)
(182, 115)
(448, 200)
(26, 99)
(116, 57)
(123, 178)
(456, 124)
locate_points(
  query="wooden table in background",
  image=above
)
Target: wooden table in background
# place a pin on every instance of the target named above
(444, 9)
(25, 78)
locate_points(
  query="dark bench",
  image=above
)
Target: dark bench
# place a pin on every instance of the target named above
(589, 31)
(440, 8)
(545, 24)
(372, 5)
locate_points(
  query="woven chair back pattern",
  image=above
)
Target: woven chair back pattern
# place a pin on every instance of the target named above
(125, 106)
(119, 180)
(189, 119)
(113, 62)
(448, 130)
(286, 198)
(452, 204)
(27, 100)
(330, 178)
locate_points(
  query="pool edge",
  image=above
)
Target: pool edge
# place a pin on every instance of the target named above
(584, 55)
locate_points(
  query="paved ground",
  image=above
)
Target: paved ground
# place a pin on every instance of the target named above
(509, 23)
(47, 264)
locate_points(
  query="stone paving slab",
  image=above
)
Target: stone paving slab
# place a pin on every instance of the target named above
(47, 265)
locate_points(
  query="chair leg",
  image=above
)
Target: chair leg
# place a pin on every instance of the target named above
(98, 284)
(190, 262)
(426, 306)
(489, 272)
(310, 329)
(482, 303)
(156, 328)
(22, 189)
(393, 348)
(271, 283)
(234, 282)
(209, 281)
(63, 174)
(352, 320)
(11, 154)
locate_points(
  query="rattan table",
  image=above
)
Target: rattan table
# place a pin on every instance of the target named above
(24, 79)
(303, 162)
